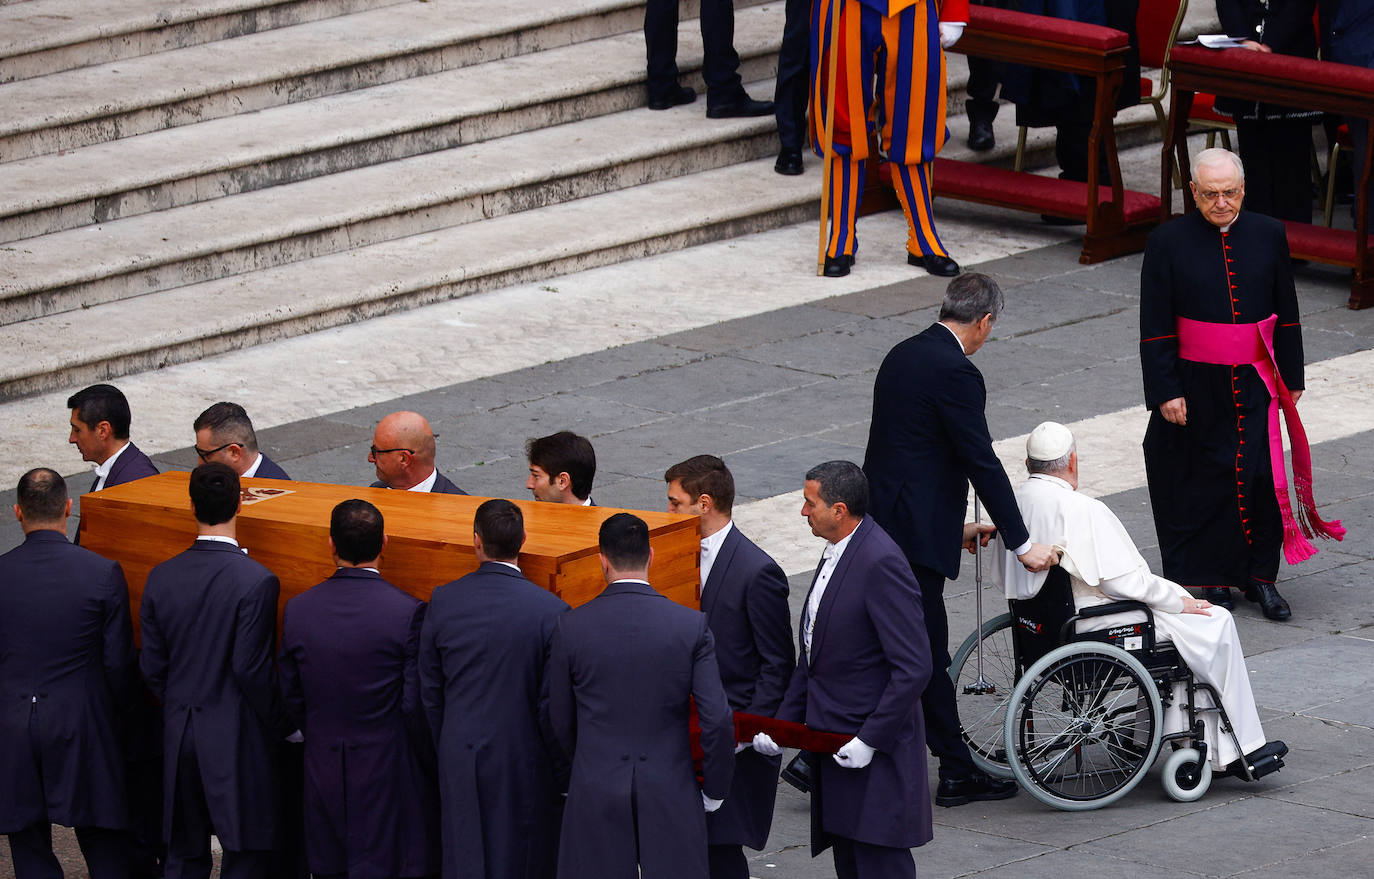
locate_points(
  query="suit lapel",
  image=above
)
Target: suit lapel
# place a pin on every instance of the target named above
(832, 588)
(719, 567)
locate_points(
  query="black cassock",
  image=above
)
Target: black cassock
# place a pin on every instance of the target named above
(1211, 485)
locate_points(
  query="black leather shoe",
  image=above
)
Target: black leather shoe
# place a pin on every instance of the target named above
(680, 95)
(741, 107)
(789, 162)
(1270, 601)
(1218, 595)
(936, 265)
(976, 787)
(980, 135)
(798, 773)
(1263, 760)
(837, 266)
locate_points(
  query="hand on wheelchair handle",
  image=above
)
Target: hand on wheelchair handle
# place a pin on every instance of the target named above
(854, 754)
(764, 744)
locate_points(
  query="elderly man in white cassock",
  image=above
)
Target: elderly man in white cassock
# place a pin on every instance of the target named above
(1104, 565)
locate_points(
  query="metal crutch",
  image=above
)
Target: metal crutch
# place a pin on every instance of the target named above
(980, 687)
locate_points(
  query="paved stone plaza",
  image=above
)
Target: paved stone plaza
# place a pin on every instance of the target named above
(734, 350)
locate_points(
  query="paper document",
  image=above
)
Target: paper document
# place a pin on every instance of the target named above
(1220, 41)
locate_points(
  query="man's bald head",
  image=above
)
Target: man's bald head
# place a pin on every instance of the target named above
(403, 449)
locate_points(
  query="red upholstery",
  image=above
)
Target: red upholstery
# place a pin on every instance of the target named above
(1303, 71)
(1154, 22)
(1204, 109)
(1343, 137)
(1333, 246)
(1045, 29)
(1031, 192)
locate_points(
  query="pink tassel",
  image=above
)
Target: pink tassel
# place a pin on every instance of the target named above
(1296, 548)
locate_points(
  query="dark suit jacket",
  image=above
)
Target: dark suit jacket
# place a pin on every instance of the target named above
(621, 671)
(209, 623)
(270, 469)
(348, 671)
(483, 654)
(869, 663)
(745, 602)
(131, 465)
(442, 485)
(928, 439)
(66, 664)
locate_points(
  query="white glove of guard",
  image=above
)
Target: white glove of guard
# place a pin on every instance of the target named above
(295, 738)
(854, 755)
(764, 744)
(950, 32)
(710, 804)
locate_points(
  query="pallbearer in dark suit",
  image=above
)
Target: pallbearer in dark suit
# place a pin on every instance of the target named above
(209, 622)
(66, 664)
(349, 650)
(224, 433)
(622, 669)
(744, 597)
(100, 431)
(864, 662)
(403, 453)
(483, 653)
(928, 439)
(562, 468)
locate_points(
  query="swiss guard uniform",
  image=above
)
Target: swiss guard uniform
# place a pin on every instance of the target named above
(1218, 315)
(889, 53)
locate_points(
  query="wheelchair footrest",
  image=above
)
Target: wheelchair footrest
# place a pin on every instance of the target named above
(1261, 762)
(1266, 765)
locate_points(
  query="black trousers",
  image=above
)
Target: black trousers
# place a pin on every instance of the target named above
(944, 733)
(792, 91)
(31, 849)
(727, 862)
(720, 63)
(859, 860)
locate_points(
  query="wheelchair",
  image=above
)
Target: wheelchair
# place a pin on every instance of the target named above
(1077, 717)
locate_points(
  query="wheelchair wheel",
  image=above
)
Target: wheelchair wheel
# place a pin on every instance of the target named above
(984, 714)
(1083, 726)
(1186, 775)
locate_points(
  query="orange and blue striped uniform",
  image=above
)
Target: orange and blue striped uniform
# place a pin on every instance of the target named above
(889, 55)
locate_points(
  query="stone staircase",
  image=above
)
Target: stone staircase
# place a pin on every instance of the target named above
(177, 182)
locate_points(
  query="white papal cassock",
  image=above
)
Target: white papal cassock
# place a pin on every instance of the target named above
(1105, 566)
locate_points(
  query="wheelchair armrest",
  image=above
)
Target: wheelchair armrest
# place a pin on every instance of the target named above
(1102, 610)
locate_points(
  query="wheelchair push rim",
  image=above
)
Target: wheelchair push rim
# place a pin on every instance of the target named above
(1083, 727)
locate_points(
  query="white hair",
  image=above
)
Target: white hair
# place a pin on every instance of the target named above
(1215, 156)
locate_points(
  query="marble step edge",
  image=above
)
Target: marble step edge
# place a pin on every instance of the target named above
(220, 157)
(82, 268)
(50, 36)
(188, 323)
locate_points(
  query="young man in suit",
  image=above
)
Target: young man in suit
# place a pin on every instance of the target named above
(403, 453)
(744, 597)
(562, 467)
(349, 649)
(483, 652)
(863, 666)
(927, 441)
(622, 669)
(65, 670)
(225, 433)
(100, 431)
(209, 623)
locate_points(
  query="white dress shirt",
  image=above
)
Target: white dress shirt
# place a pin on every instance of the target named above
(830, 557)
(102, 471)
(253, 471)
(710, 549)
(426, 484)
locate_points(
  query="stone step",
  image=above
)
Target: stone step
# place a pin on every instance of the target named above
(80, 268)
(191, 322)
(247, 152)
(39, 37)
(75, 108)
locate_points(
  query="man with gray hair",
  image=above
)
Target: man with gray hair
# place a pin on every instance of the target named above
(1220, 354)
(928, 440)
(1104, 565)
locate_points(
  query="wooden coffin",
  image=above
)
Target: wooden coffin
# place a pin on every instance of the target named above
(285, 526)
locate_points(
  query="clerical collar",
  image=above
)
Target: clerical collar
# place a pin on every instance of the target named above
(426, 484)
(253, 471)
(103, 470)
(1054, 479)
(956, 338)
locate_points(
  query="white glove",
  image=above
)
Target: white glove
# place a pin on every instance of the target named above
(950, 32)
(854, 755)
(710, 804)
(764, 744)
(295, 738)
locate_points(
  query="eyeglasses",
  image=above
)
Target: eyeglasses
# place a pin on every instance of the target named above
(206, 453)
(1213, 195)
(374, 451)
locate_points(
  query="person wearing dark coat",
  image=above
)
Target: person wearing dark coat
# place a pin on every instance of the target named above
(66, 666)
(403, 453)
(349, 676)
(208, 620)
(792, 87)
(622, 670)
(1207, 458)
(224, 433)
(483, 652)
(744, 596)
(927, 441)
(1348, 38)
(100, 431)
(863, 665)
(562, 467)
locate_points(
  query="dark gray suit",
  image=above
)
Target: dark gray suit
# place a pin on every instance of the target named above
(442, 485)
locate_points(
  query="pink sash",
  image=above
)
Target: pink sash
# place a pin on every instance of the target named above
(1253, 345)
